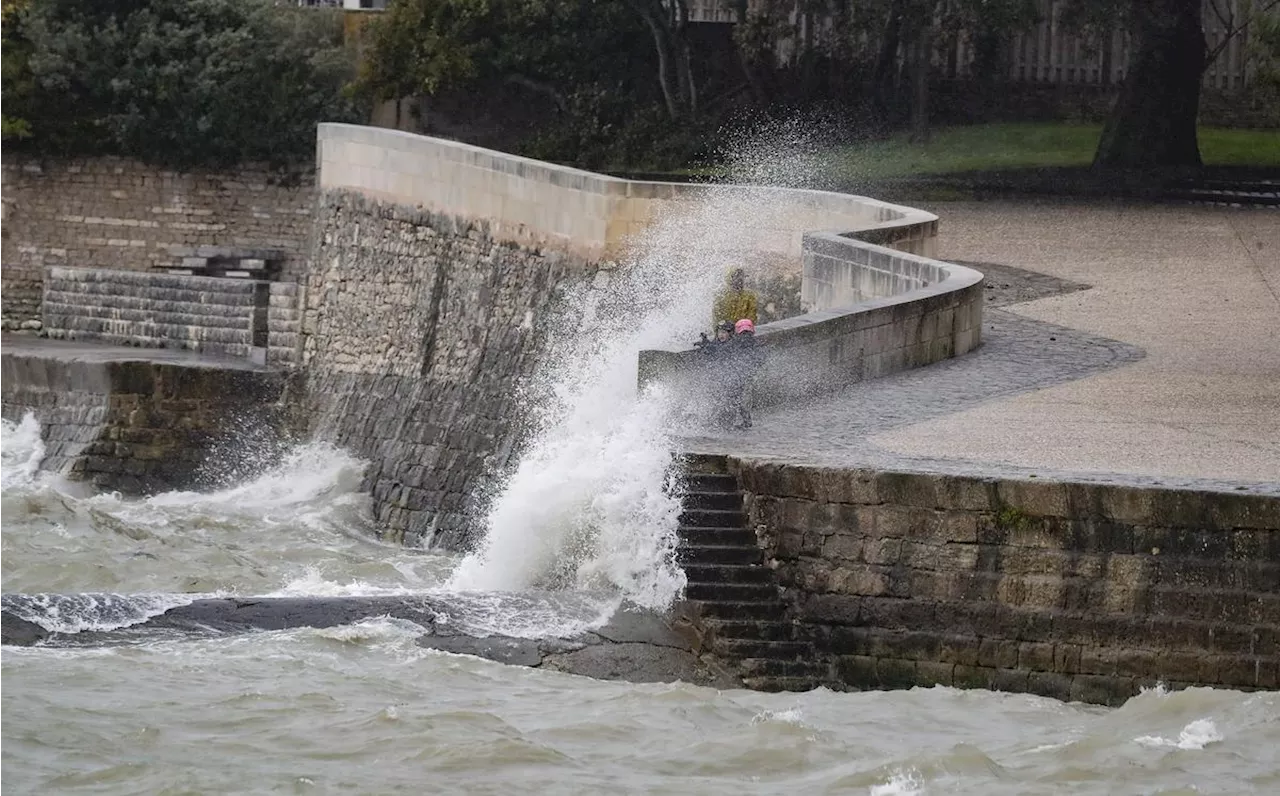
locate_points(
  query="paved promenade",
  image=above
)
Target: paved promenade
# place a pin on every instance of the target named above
(1165, 370)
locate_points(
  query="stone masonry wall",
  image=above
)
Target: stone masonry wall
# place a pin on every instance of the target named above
(155, 310)
(121, 214)
(136, 426)
(1074, 591)
(417, 329)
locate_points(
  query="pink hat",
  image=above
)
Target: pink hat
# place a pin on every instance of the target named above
(744, 325)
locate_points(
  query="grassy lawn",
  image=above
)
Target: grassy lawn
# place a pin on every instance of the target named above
(991, 147)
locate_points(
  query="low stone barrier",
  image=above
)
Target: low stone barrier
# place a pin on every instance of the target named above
(229, 317)
(902, 311)
(137, 425)
(1076, 591)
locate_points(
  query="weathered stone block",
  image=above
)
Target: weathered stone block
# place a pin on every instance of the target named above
(1035, 656)
(929, 673)
(843, 547)
(972, 676)
(837, 609)
(1099, 690)
(1039, 498)
(862, 581)
(1049, 684)
(998, 653)
(858, 671)
(959, 649)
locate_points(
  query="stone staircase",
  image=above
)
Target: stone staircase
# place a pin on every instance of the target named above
(732, 597)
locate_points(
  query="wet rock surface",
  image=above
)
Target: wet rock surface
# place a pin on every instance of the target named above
(635, 645)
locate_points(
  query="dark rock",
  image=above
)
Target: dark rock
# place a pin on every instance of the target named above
(636, 662)
(503, 649)
(20, 632)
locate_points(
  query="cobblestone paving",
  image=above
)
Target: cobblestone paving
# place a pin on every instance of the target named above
(1017, 355)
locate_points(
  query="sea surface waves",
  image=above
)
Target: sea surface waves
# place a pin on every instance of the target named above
(362, 708)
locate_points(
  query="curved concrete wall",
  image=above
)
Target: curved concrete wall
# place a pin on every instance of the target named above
(593, 215)
(875, 301)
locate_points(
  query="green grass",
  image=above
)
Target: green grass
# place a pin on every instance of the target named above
(992, 147)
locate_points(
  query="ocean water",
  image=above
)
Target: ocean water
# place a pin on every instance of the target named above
(362, 709)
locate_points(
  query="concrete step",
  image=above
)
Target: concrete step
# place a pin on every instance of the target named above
(718, 554)
(724, 609)
(704, 462)
(723, 501)
(729, 573)
(711, 482)
(731, 592)
(698, 536)
(749, 629)
(771, 667)
(777, 684)
(761, 648)
(713, 518)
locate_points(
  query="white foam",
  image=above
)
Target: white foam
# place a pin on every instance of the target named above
(586, 507)
(308, 474)
(1195, 736)
(77, 613)
(313, 583)
(374, 630)
(21, 451)
(902, 783)
(790, 716)
(530, 615)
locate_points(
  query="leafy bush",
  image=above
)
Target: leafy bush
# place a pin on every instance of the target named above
(176, 82)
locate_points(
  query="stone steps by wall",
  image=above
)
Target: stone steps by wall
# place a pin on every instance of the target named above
(229, 317)
(732, 598)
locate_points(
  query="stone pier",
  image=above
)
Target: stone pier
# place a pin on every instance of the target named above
(137, 421)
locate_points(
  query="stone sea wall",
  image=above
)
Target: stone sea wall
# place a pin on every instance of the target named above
(434, 267)
(1071, 590)
(137, 426)
(417, 327)
(125, 215)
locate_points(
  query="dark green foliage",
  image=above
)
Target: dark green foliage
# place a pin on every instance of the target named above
(178, 82)
(16, 74)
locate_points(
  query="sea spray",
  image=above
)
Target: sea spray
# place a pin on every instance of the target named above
(589, 504)
(21, 453)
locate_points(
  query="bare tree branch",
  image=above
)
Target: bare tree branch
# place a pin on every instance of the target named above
(1234, 30)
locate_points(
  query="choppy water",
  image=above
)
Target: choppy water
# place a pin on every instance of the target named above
(363, 709)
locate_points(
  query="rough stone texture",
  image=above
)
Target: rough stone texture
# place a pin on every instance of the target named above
(121, 214)
(154, 310)
(284, 323)
(128, 421)
(635, 645)
(1070, 590)
(417, 330)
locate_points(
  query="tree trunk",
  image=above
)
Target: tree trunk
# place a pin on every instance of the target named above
(920, 84)
(679, 36)
(1153, 123)
(882, 88)
(675, 74)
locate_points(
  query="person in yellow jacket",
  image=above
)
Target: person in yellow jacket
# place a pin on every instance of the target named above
(734, 302)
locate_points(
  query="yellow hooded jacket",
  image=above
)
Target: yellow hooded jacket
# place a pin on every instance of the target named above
(734, 305)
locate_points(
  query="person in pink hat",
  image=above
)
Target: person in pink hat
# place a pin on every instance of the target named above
(745, 358)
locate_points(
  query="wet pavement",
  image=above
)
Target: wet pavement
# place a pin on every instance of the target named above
(1123, 345)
